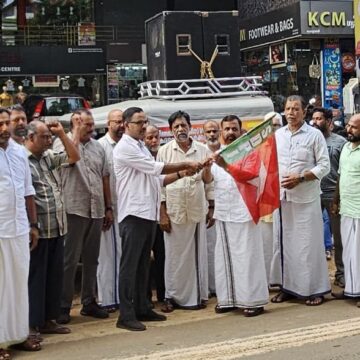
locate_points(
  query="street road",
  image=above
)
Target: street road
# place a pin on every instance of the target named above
(286, 331)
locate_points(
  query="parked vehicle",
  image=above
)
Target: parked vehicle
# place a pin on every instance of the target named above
(43, 107)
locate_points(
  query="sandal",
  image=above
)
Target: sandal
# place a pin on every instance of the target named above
(29, 344)
(250, 312)
(53, 328)
(167, 306)
(314, 300)
(339, 295)
(4, 355)
(281, 297)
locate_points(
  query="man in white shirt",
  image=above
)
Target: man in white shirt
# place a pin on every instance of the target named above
(184, 208)
(240, 273)
(110, 243)
(138, 184)
(303, 161)
(17, 215)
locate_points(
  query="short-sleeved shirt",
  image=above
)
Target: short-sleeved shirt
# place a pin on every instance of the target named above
(49, 198)
(83, 182)
(15, 184)
(349, 170)
(186, 198)
(334, 144)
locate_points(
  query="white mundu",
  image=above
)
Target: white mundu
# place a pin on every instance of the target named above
(240, 274)
(110, 243)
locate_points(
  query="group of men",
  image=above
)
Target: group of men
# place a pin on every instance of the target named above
(111, 203)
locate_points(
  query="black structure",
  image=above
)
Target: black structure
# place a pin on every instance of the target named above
(169, 34)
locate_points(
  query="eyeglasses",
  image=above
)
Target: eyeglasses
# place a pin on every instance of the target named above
(117, 122)
(140, 123)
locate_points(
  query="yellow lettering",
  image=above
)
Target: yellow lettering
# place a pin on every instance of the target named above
(242, 35)
(323, 17)
(312, 21)
(338, 19)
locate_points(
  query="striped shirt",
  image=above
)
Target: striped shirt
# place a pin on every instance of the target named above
(49, 197)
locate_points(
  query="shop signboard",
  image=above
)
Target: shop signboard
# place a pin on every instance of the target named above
(332, 74)
(327, 18)
(271, 27)
(19, 60)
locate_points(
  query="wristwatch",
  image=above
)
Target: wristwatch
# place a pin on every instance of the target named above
(35, 225)
(302, 178)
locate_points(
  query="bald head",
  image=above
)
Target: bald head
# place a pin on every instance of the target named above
(353, 130)
(152, 138)
(116, 125)
(39, 138)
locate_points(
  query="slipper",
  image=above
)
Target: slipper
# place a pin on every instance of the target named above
(250, 312)
(167, 306)
(339, 296)
(60, 330)
(36, 337)
(28, 345)
(358, 304)
(314, 300)
(281, 297)
(4, 355)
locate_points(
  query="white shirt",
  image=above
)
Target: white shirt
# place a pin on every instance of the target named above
(304, 150)
(15, 184)
(229, 204)
(137, 180)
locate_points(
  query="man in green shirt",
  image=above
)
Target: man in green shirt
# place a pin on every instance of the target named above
(349, 201)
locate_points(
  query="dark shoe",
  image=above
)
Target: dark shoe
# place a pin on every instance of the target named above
(151, 316)
(251, 312)
(94, 310)
(223, 310)
(64, 317)
(132, 325)
(167, 306)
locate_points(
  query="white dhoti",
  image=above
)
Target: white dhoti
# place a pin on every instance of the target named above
(240, 272)
(350, 237)
(14, 298)
(304, 267)
(267, 236)
(186, 265)
(108, 268)
(275, 268)
(211, 241)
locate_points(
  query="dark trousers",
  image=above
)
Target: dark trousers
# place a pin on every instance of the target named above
(45, 280)
(335, 229)
(157, 266)
(137, 237)
(82, 241)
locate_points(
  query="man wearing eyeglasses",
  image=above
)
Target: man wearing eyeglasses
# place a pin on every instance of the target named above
(138, 181)
(110, 245)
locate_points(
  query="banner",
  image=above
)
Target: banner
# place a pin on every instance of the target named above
(252, 162)
(332, 75)
(357, 26)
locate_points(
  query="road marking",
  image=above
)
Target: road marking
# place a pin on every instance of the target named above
(255, 345)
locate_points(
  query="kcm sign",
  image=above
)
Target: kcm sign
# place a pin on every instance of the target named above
(334, 18)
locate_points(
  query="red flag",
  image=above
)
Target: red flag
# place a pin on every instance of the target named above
(256, 172)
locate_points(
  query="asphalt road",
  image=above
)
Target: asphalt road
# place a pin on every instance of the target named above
(286, 331)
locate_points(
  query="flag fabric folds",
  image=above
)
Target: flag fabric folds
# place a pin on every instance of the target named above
(252, 162)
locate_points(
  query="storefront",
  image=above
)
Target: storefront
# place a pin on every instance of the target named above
(306, 48)
(50, 70)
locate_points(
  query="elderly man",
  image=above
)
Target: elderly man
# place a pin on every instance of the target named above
(47, 260)
(303, 161)
(240, 273)
(110, 245)
(138, 187)
(17, 215)
(349, 201)
(322, 120)
(89, 210)
(184, 209)
(152, 142)
(212, 135)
